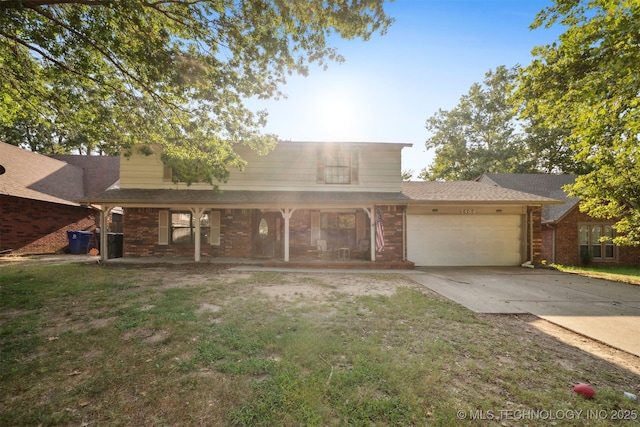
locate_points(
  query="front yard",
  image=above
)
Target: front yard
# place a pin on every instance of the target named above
(199, 345)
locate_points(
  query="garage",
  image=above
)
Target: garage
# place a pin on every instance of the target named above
(465, 239)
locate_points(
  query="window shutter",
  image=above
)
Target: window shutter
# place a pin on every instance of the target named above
(361, 226)
(320, 168)
(167, 173)
(215, 228)
(163, 227)
(315, 227)
(354, 167)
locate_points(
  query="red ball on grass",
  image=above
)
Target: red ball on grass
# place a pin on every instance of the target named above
(584, 390)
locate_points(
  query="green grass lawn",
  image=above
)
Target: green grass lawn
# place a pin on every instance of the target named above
(184, 345)
(616, 273)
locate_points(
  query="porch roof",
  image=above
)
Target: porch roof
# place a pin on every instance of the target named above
(458, 192)
(246, 199)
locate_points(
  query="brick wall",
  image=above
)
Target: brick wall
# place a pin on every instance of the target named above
(535, 221)
(300, 233)
(36, 227)
(392, 218)
(237, 226)
(141, 235)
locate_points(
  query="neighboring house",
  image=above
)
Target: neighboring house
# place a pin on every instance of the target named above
(38, 200)
(569, 236)
(330, 201)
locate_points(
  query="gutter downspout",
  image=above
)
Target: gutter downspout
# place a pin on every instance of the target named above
(404, 234)
(553, 242)
(531, 236)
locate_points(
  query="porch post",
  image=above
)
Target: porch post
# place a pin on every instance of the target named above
(286, 214)
(197, 214)
(372, 224)
(104, 213)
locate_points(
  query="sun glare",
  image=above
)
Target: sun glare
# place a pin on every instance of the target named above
(336, 115)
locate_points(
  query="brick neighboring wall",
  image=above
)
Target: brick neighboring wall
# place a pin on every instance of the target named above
(567, 239)
(37, 227)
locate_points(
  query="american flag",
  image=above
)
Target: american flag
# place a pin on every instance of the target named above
(379, 232)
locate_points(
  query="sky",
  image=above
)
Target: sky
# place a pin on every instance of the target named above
(389, 85)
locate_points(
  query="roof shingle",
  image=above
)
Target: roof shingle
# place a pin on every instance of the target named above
(547, 185)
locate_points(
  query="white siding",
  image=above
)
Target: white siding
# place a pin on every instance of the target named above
(289, 167)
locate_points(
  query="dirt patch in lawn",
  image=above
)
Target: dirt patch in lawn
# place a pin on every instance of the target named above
(569, 348)
(147, 343)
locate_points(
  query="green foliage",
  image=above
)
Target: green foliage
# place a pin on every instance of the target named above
(104, 75)
(485, 133)
(479, 135)
(587, 84)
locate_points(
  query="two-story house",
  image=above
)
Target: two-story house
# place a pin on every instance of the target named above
(329, 201)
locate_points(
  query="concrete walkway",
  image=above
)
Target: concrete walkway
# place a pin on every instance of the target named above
(600, 309)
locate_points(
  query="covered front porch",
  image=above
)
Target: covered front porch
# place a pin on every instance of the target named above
(305, 235)
(277, 226)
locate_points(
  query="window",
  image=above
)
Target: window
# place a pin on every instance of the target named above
(337, 167)
(338, 229)
(170, 174)
(592, 248)
(178, 228)
(183, 226)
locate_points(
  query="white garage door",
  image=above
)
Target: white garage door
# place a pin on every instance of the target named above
(464, 240)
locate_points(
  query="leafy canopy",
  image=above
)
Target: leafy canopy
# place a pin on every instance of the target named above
(479, 135)
(588, 84)
(484, 133)
(101, 75)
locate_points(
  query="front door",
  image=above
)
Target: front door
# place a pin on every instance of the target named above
(266, 235)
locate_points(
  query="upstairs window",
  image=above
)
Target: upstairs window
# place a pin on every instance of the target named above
(337, 167)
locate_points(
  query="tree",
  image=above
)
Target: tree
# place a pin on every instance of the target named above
(587, 83)
(407, 174)
(481, 134)
(102, 75)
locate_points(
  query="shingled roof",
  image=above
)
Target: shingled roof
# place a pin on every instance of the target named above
(167, 197)
(34, 176)
(468, 192)
(100, 172)
(412, 192)
(547, 185)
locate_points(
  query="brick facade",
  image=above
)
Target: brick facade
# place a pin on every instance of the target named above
(36, 227)
(141, 235)
(567, 241)
(239, 235)
(534, 235)
(393, 220)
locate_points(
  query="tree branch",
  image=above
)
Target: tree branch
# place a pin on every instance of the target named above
(107, 55)
(19, 4)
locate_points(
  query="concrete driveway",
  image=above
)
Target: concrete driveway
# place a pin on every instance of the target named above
(600, 309)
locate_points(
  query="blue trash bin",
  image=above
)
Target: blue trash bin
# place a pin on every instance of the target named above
(79, 241)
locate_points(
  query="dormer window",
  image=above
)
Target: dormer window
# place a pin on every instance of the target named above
(337, 167)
